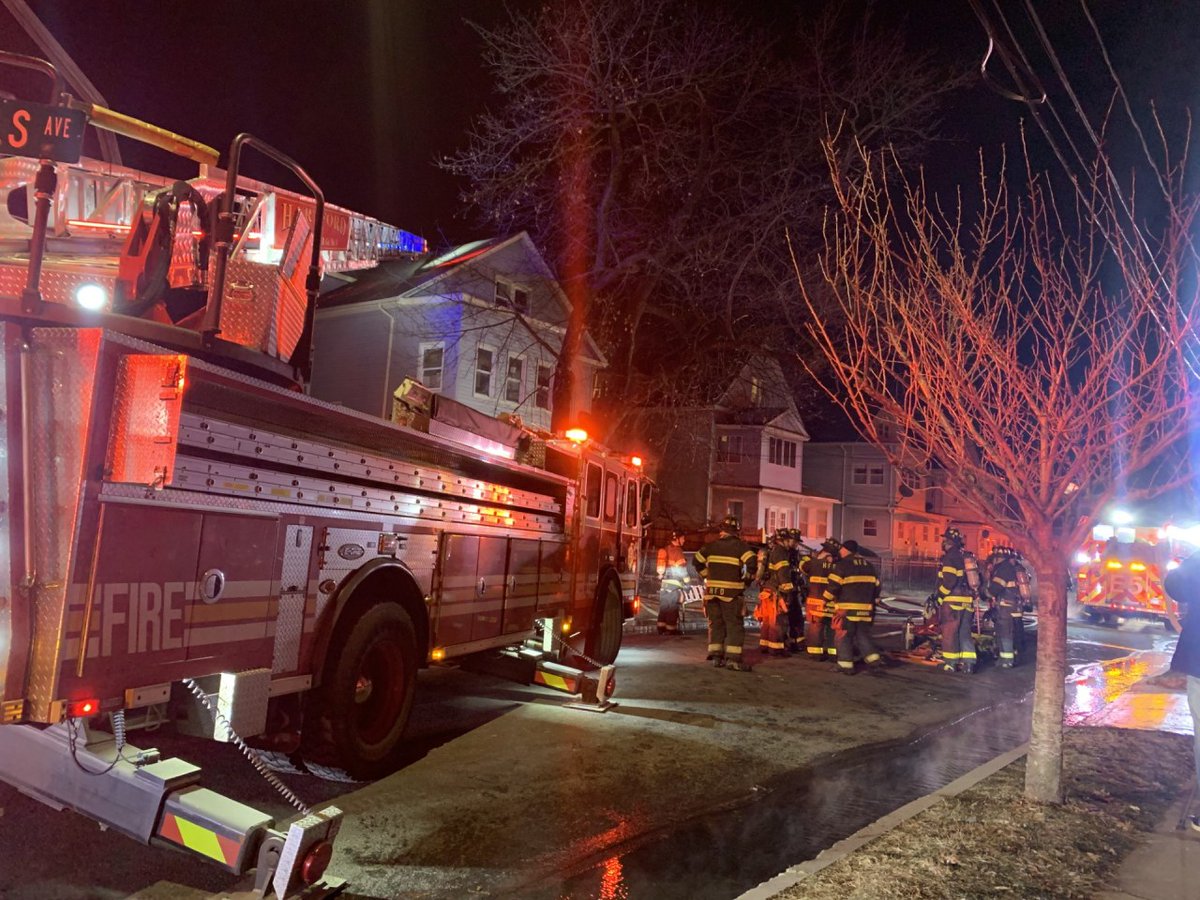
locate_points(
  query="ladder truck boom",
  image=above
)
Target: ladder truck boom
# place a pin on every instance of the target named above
(186, 533)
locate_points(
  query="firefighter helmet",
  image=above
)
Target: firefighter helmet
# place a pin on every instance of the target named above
(783, 534)
(953, 536)
(831, 546)
(795, 534)
(851, 547)
(730, 525)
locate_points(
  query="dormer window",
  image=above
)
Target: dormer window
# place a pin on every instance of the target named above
(511, 296)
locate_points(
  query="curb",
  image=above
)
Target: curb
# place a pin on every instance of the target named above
(793, 875)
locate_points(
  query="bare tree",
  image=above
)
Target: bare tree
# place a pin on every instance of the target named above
(1039, 355)
(654, 149)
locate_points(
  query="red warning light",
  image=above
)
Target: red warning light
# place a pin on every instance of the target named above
(83, 709)
(635, 461)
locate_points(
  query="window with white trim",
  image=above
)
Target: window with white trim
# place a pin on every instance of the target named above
(781, 452)
(485, 364)
(875, 475)
(514, 380)
(432, 362)
(511, 296)
(870, 527)
(542, 396)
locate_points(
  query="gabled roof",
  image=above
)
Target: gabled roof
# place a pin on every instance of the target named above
(411, 277)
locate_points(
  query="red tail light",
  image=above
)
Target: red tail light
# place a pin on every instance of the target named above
(316, 861)
(83, 709)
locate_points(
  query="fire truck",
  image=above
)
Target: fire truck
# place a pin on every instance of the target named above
(186, 535)
(1121, 571)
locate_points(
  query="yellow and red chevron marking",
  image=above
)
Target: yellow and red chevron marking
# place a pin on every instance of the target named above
(558, 682)
(200, 840)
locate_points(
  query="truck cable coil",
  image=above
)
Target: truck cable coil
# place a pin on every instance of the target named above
(247, 751)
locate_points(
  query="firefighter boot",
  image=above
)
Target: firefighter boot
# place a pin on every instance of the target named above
(717, 661)
(735, 665)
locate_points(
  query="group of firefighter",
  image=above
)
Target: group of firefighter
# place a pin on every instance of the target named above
(823, 602)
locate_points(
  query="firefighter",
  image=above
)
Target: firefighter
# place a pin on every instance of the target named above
(819, 632)
(853, 589)
(799, 555)
(727, 567)
(1005, 589)
(673, 576)
(956, 605)
(775, 581)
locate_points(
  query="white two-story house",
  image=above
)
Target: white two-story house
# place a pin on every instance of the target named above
(482, 323)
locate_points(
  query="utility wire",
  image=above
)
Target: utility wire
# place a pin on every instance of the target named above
(1124, 96)
(1027, 93)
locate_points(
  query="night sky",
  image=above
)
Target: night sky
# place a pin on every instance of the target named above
(367, 93)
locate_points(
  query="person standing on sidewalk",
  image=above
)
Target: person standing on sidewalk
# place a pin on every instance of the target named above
(819, 631)
(853, 589)
(673, 578)
(1182, 585)
(956, 605)
(727, 567)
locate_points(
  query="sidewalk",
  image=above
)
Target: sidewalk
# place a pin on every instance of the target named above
(1167, 865)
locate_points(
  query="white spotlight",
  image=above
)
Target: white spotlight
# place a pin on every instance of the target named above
(1121, 517)
(91, 297)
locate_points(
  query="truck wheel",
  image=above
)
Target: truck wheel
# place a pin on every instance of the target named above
(360, 710)
(604, 639)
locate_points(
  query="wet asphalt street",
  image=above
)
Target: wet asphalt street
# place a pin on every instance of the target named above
(701, 783)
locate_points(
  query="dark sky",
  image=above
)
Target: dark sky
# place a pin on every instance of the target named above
(366, 93)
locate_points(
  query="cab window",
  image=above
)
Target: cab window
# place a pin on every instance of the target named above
(631, 495)
(591, 490)
(611, 496)
(647, 493)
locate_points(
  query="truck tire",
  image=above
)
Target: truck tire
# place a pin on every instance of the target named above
(358, 714)
(604, 639)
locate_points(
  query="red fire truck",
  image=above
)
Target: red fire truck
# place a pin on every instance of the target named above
(185, 534)
(1121, 571)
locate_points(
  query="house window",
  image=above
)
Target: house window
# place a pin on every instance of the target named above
(485, 361)
(860, 475)
(772, 519)
(870, 527)
(514, 379)
(729, 448)
(736, 509)
(509, 295)
(875, 475)
(781, 452)
(541, 398)
(818, 524)
(432, 358)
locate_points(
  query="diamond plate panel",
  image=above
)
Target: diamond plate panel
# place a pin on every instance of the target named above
(289, 626)
(57, 285)
(242, 699)
(297, 553)
(248, 308)
(293, 300)
(59, 380)
(185, 250)
(146, 405)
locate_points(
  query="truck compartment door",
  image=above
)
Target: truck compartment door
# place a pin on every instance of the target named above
(460, 559)
(233, 614)
(489, 586)
(521, 587)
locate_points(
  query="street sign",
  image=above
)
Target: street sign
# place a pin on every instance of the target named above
(41, 131)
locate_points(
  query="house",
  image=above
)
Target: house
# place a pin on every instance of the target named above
(482, 323)
(740, 453)
(893, 512)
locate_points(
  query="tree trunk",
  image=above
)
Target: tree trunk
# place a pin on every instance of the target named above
(1043, 768)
